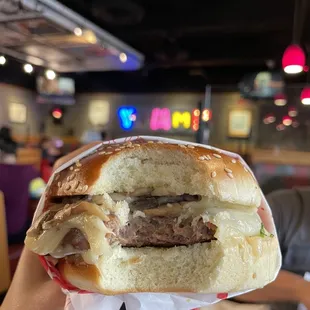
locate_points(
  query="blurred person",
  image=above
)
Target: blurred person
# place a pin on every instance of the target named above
(104, 135)
(51, 149)
(291, 213)
(8, 146)
(43, 145)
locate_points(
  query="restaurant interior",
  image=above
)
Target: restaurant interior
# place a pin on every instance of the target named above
(232, 74)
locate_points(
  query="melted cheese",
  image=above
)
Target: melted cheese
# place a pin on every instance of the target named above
(91, 226)
(231, 221)
(234, 222)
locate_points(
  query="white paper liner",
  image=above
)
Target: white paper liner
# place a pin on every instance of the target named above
(149, 301)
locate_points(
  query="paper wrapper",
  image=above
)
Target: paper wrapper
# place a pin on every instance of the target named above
(78, 300)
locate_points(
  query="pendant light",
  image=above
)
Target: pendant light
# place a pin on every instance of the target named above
(294, 59)
(280, 100)
(305, 95)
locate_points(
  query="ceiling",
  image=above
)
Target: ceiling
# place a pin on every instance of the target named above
(189, 44)
(202, 39)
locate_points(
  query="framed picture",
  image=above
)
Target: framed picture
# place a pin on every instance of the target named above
(17, 113)
(239, 123)
(99, 112)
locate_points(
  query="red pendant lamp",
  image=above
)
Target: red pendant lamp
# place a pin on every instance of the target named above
(305, 95)
(287, 121)
(292, 112)
(293, 60)
(280, 100)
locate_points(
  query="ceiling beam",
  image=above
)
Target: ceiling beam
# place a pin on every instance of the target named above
(136, 32)
(209, 63)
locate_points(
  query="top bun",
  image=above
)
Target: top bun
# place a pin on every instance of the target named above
(162, 169)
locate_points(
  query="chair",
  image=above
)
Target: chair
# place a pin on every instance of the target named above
(4, 253)
(14, 183)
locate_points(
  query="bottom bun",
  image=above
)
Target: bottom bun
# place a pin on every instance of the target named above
(239, 264)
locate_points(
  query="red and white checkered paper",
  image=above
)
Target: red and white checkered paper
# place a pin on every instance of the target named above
(78, 299)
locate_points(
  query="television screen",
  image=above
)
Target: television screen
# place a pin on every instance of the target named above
(261, 85)
(60, 90)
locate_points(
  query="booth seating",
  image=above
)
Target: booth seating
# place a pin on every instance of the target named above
(14, 183)
(5, 278)
(29, 156)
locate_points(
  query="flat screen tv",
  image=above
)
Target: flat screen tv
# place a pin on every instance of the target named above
(60, 90)
(262, 85)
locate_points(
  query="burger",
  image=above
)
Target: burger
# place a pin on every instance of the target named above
(148, 216)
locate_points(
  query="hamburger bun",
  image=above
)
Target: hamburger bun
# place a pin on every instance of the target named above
(147, 216)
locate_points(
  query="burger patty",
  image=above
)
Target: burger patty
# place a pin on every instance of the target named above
(149, 231)
(160, 231)
(77, 239)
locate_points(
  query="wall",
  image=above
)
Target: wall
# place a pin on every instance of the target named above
(221, 104)
(76, 117)
(9, 94)
(144, 104)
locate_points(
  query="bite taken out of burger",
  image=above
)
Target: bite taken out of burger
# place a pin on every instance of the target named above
(147, 216)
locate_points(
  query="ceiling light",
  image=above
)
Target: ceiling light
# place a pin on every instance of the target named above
(123, 57)
(28, 68)
(292, 112)
(287, 121)
(305, 96)
(269, 119)
(293, 60)
(280, 127)
(295, 124)
(2, 60)
(57, 113)
(50, 74)
(78, 31)
(280, 100)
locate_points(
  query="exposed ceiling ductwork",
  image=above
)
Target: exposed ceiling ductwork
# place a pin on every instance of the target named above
(46, 33)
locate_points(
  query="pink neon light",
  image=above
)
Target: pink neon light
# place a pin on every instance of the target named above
(160, 119)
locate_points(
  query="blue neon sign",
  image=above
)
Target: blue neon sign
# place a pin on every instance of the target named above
(127, 117)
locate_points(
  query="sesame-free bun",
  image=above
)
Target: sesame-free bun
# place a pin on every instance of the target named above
(236, 265)
(168, 168)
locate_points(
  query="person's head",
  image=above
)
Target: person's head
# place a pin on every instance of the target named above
(5, 133)
(103, 135)
(44, 141)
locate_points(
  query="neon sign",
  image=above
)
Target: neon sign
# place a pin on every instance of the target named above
(160, 119)
(206, 115)
(195, 119)
(127, 117)
(181, 118)
(163, 119)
